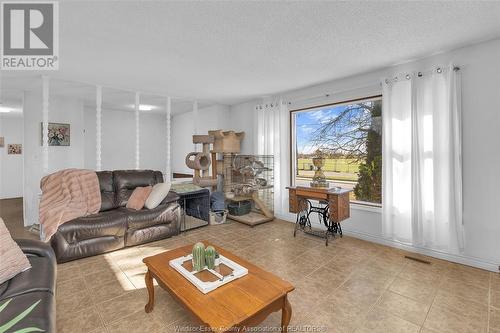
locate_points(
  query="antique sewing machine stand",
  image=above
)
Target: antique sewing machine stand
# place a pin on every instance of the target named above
(334, 207)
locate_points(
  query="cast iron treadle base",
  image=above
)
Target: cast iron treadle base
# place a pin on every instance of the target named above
(303, 221)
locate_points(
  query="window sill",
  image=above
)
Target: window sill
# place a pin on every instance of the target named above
(366, 207)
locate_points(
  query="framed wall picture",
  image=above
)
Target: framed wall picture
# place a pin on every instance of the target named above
(59, 134)
(2, 141)
(14, 149)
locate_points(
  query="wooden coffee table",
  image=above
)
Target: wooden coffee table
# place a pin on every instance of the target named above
(244, 302)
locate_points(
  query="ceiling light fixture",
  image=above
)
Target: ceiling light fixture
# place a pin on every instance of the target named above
(145, 107)
(5, 110)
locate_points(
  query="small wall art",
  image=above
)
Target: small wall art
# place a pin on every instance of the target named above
(59, 134)
(14, 149)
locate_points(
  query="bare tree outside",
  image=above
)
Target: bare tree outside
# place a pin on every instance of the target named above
(352, 135)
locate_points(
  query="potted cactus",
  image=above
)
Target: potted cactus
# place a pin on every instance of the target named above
(210, 257)
(198, 256)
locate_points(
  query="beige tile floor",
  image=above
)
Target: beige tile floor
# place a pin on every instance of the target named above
(349, 286)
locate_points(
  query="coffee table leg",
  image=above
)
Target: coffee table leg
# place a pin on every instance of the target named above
(151, 292)
(286, 315)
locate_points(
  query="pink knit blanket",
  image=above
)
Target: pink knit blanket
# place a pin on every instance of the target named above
(66, 195)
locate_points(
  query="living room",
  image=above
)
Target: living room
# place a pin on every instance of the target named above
(249, 166)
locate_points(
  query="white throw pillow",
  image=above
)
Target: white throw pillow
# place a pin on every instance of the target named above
(159, 192)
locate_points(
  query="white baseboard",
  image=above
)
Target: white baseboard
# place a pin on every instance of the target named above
(456, 258)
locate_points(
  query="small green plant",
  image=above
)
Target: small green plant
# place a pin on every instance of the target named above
(198, 257)
(18, 318)
(210, 257)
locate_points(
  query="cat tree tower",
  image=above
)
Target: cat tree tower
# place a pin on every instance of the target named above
(200, 162)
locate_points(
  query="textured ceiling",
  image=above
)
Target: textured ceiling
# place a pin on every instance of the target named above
(229, 52)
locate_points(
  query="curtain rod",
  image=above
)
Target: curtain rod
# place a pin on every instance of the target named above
(438, 70)
(329, 94)
(407, 75)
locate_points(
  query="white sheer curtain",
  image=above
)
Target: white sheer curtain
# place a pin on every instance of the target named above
(272, 138)
(422, 173)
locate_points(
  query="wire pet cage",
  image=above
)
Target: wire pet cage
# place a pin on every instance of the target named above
(195, 209)
(248, 188)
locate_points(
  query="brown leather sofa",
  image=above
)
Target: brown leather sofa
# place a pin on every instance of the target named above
(35, 284)
(116, 226)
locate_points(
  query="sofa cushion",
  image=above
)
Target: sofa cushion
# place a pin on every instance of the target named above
(109, 223)
(157, 195)
(13, 260)
(138, 197)
(158, 177)
(108, 200)
(43, 316)
(127, 180)
(88, 247)
(137, 219)
(150, 234)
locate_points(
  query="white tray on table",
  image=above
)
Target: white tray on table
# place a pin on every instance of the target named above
(208, 286)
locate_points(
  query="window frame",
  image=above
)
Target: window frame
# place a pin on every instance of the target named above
(293, 152)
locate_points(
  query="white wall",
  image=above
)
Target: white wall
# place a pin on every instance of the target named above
(480, 70)
(183, 127)
(242, 120)
(153, 141)
(118, 140)
(61, 111)
(11, 166)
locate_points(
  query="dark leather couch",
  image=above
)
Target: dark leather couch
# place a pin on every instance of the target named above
(116, 226)
(26, 288)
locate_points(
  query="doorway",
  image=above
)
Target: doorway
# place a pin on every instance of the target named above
(11, 163)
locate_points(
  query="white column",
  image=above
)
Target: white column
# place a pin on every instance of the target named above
(137, 142)
(98, 111)
(168, 171)
(195, 121)
(45, 124)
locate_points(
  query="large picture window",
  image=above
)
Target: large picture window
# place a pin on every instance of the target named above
(349, 135)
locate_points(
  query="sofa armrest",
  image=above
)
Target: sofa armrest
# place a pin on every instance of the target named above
(171, 197)
(36, 248)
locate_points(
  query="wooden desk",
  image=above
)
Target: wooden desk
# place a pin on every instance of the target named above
(337, 202)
